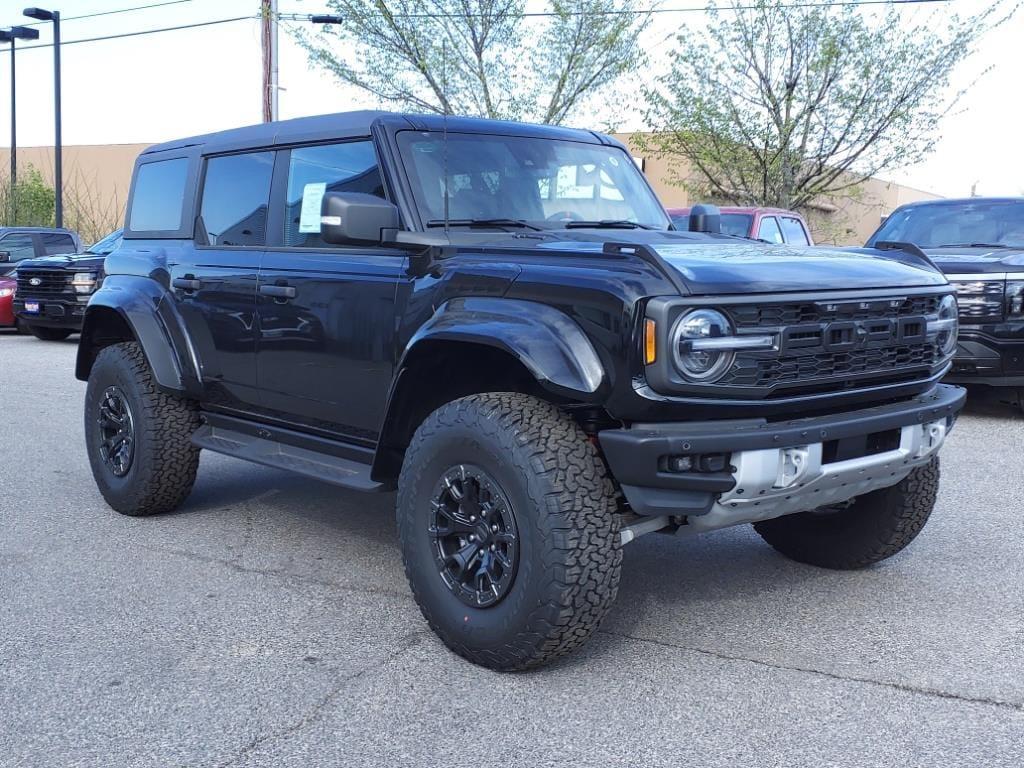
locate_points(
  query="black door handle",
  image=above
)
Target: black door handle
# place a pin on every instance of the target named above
(278, 291)
(187, 283)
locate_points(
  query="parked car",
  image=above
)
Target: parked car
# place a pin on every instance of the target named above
(53, 291)
(496, 320)
(979, 243)
(774, 225)
(7, 286)
(20, 243)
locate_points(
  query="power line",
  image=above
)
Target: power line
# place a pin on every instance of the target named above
(132, 34)
(110, 13)
(295, 16)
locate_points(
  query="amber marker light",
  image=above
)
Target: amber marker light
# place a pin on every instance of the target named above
(650, 342)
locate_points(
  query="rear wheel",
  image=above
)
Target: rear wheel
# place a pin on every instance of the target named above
(509, 530)
(871, 528)
(48, 334)
(138, 438)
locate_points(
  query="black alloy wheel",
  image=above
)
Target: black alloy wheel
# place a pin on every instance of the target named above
(476, 541)
(116, 432)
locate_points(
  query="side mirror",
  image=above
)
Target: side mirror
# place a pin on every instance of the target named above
(5, 256)
(355, 217)
(705, 218)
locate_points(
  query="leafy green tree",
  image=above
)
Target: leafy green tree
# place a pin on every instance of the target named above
(482, 58)
(782, 104)
(33, 203)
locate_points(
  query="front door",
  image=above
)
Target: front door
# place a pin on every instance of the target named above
(214, 280)
(326, 343)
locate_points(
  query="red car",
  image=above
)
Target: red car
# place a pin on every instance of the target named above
(7, 285)
(774, 225)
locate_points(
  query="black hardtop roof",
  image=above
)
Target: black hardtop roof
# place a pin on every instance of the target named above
(351, 124)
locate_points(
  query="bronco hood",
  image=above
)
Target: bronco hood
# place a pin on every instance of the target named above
(725, 268)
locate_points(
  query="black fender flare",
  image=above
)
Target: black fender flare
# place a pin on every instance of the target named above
(549, 343)
(146, 309)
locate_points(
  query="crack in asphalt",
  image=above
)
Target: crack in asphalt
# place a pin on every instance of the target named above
(280, 573)
(314, 713)
(902, 687)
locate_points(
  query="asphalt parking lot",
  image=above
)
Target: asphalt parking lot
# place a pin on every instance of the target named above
(269, 623)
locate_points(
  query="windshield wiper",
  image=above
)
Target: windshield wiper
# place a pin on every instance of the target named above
(975, 245)
(483, 223)
(606, 224)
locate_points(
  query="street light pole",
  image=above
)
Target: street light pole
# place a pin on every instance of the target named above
(12, 34)
(58, 183)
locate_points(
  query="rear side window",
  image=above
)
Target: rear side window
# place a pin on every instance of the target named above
(236, 193)
(769, 230)
(794, 231)
(313, 171)
(159, 196)
(54, 243)
(18, 245)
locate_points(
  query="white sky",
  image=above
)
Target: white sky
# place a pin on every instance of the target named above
(161, 86)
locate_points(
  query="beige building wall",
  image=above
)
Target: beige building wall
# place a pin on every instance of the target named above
(96, 180)
(839, 221)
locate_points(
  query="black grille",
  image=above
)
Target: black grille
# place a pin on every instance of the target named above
(799, 313)
(793, 369)
(980, 299)
(51, 283)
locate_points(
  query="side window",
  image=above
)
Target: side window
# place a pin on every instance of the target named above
(794, 231)
(159, 196)
(236, 194)
(19, 245)
(54, 243)
(769, 230)
(314, 171)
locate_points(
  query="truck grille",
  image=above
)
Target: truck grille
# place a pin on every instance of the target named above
(980, 300)
(825, 345)
(51, 282)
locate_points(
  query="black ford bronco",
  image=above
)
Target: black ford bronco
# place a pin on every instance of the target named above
(499, 321)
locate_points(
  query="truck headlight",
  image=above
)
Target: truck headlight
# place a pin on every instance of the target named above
(1014, 298)
(704, 347)
(944, 328)
(84, 282)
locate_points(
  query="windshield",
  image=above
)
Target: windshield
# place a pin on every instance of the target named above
(107, 245)
(537, 181)
(990, 223)
(737, 224)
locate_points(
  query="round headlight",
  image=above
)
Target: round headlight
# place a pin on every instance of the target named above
(946, 338)
(701, 365)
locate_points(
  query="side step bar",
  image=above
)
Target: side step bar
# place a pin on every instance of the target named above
(336, 470)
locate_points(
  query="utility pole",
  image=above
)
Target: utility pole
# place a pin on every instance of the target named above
(268, 13)
(12, 34)
(58, 182)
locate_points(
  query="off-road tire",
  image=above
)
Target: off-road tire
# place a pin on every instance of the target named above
(48, 334)
(874, 527)
(165, 461)
(570, 553)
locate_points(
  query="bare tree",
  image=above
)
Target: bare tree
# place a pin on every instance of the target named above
(485, 58)
(781, 104)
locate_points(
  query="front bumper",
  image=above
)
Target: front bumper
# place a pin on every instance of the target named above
(53, 312)
(991, 355)
(774, 469)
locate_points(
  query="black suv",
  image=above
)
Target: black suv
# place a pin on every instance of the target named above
(979, 243)
(499, 321)
(53, 291)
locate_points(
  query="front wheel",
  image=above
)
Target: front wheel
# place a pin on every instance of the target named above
(48, 334)
(508, 528)
(138, 438)
(870, 529)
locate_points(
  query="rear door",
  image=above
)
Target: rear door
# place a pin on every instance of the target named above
(214, 278)
(54, 243)
(326, 343)
(794, 231)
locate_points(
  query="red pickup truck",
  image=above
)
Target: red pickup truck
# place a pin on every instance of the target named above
(774, 225)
